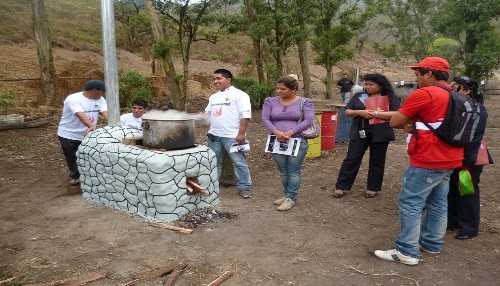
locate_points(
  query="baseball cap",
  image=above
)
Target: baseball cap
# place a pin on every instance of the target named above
(95, 84)
(433, 63)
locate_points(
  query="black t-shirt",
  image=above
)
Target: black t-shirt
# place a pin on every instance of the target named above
(374, 133)
(345, 85)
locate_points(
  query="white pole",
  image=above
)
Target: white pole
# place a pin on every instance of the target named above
(110, 70)
(357, 76)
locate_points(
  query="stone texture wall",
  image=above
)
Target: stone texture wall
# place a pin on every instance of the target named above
(146, 182)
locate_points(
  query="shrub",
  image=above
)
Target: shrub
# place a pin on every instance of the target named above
(6, 99)
(257, 92)
(134, 85)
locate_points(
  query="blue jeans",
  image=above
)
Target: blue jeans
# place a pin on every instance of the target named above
(423, 210)
(289, 168)
(222, 144)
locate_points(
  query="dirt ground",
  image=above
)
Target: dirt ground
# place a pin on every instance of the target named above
(49, 233)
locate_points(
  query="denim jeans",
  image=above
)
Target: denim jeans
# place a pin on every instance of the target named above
(222, 144)
(423, 208)
(69, 148)
(289, 168)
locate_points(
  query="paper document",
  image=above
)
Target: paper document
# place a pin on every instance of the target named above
(291, 147)
(245, 147)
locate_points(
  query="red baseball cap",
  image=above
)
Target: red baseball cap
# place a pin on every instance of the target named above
(433, 63)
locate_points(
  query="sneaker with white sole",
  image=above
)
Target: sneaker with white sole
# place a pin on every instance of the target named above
(286, 205)
(393, 255)
(424, 249)
(245, 193)
(279, 201)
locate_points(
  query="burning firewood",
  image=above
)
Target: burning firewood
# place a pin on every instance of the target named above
(194, 187)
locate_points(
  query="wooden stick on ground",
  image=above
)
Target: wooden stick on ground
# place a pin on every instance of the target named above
(171, 227)
(150, 275)
(175, 274)
(80, 280)
(221, 278)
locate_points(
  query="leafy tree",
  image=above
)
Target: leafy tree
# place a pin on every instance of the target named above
(333, 32)
(134, 85)
(472, 24)
(192, 21)
(132, 16)
(409, 22)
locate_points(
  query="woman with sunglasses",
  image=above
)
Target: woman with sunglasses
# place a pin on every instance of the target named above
(463, 211)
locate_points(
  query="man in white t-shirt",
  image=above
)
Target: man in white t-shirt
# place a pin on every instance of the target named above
(80, 114)
(230, 111)
(134, 119)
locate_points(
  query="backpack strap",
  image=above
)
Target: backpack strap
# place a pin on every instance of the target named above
(423, 120)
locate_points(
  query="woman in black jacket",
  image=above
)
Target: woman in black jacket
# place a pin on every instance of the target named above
(463, 211)
(365, 134)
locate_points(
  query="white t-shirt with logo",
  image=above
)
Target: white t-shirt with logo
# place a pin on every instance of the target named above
(70, 126)
(226, 109)
(128, 120)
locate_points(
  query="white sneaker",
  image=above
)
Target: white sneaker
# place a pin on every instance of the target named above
(394, 255)
(286, 205)
(279, 201)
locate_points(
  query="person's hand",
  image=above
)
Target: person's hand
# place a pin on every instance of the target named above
(368, 113)
(408, 127)
(280, 136)
(240, 138)
(88, 130)
(288, 134)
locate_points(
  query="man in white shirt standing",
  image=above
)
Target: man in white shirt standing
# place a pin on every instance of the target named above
(230, 111)
(80, 114)
(134, 119)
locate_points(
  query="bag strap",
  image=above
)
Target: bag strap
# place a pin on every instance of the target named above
(423, 120)
(301, 118)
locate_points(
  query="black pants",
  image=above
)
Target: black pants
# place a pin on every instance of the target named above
(69, 148)
(463, 212)
(352, 162)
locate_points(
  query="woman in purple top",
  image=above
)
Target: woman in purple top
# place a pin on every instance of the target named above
(281, 115)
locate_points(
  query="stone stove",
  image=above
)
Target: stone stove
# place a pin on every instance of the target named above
(150, 183)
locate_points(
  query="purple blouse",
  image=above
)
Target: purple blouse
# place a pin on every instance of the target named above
(285, 117)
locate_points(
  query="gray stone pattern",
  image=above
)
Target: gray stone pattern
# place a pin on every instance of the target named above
(146, 182)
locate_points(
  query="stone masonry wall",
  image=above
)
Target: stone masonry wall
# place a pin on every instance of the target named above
(146, 182)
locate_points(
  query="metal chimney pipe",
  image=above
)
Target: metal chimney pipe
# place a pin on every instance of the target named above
(110, 69)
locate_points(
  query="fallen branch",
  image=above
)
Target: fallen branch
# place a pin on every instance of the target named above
(77, 281)
(26, 124)
(150, 275)
(175, 274)
(7, 280)
(383, 274)
(221, 278)
(171, 227)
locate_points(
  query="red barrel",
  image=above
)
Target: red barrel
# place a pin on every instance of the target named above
(328, 130)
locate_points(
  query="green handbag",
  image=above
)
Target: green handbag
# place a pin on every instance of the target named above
(465, 185)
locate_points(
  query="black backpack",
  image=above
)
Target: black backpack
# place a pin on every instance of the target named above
(460, 122)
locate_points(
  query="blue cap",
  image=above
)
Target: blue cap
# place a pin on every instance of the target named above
(95, 84)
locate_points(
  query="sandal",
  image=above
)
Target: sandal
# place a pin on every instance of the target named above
(370, 194)
(338, 194)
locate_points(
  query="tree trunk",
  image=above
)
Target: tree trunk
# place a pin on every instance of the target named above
(166, 62)
(44, 52)
(328, 82)
(227, 177)
(257, 47)
(304, 59)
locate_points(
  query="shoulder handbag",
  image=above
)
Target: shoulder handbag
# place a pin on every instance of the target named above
(312, 131)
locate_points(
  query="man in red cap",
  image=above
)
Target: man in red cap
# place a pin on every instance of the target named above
(426, 180)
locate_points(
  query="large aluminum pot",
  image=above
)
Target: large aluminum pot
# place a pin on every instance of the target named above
(169, 134)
